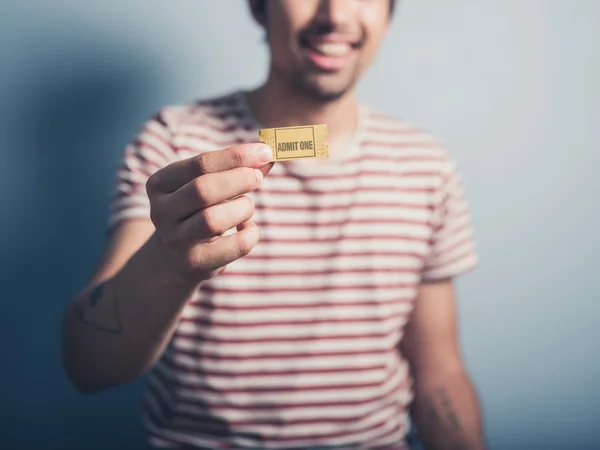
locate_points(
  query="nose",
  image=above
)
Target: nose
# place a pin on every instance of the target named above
(336, 12)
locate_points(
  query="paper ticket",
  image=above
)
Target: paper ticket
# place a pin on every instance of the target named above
(296, 142)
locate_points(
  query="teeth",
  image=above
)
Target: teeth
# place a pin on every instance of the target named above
(333, 48)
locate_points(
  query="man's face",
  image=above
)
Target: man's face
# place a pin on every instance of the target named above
(321, 47)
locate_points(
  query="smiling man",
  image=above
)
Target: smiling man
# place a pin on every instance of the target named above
(341, 320)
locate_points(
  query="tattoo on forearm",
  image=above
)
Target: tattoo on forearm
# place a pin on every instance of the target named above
(449, 409)
(110, 324)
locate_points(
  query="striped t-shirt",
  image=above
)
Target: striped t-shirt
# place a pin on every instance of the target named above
(295, 346)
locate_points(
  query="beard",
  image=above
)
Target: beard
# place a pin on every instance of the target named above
(318, 87)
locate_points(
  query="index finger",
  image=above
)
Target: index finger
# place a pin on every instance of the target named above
(179, 173)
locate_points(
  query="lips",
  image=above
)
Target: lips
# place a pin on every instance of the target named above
(333, 48)
(329, 53)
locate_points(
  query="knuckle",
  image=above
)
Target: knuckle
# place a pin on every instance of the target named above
(250, 180)
(152, 183)
(249, 206)
(245, 243)
(193, 260)
(202, 191)
(238, 157)
(203, 161)
(157, 212)
(210, 219)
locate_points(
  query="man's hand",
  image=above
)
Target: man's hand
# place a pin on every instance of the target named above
(130, 309)
(445, 408)
(195, 201)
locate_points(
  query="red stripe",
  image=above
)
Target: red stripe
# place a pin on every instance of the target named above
(291, 323)
(151, 132)
(450, 249)
(159, 119)
(399, 144)
(401, 385)
(336, 254)
(330, 240)
(363, 287)
(325, 436)
(442, 234)
(213, 143)
(309, 273)
(198, 386)
(224, 115)
(403, 131)
(295, 305)
(207, 416)
(391, 158)
(144, 147)
(261, 374)
(446, 264)
(375, 115)
(280, 339)
(225, 128)
(355, 190)
(395, 430)
(142, 171)
(215, 356)
(391, 205)
(369, 173)
(369, 221)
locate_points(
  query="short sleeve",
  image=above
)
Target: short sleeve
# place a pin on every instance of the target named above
(150, 151)
(452, 250)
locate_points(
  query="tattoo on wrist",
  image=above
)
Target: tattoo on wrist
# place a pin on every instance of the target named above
(109, 324)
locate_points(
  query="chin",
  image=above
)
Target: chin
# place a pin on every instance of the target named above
(323, 91)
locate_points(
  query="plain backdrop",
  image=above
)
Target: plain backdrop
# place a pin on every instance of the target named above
(510, 86)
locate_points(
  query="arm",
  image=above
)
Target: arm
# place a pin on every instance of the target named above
(445, 408)
(118, 327)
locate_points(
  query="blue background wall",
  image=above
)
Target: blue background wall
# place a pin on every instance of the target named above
(511, 87)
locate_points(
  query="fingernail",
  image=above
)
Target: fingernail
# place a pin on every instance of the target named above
(264, 152)
(259, 174)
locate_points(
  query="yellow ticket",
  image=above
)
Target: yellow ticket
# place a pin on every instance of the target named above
(296, 142)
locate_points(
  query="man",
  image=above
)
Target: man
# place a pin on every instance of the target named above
(305, 339)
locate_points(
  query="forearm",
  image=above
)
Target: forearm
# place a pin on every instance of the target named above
(447, 414)
(114, 331)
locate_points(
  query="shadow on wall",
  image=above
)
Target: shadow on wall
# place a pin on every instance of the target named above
(69, 121)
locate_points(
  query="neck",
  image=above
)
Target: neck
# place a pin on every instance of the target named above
(278, 104)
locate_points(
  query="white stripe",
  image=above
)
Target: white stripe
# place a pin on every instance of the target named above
(406, 138)
(131, 213)
(314, 264)
(316, 330)
(300, 431)
(134, 200)
(345, 200)
(164, 151)
(452, 269)
(334, 230)
(233, 280)
(416, 182)
(159, 129)
(287, 397)
(277, 364)
(313, 347)
(354, 212)
(448, 240)
(310, 298)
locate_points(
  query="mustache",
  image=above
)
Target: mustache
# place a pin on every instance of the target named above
(323, 29)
